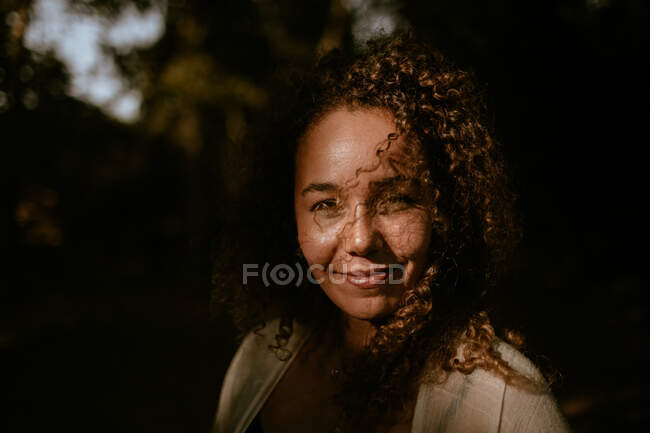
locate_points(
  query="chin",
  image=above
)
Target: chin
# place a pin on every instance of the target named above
(368, 308)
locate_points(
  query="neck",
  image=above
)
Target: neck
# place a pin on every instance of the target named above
(356, 332)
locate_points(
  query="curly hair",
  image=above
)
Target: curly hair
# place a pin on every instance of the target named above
(441, 324)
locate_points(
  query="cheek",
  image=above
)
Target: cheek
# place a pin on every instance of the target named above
(408, 235)
(317, 245)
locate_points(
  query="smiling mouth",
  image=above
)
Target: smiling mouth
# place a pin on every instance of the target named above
(367, 279)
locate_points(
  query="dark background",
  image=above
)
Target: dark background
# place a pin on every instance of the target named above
(110, 227)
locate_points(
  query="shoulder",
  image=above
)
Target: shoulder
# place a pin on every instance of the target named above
(525, 409)
(255, 343)
(253, 347)
(518, 361)
(246, 372)
(252, 373)
(252, 355)
(484, 401)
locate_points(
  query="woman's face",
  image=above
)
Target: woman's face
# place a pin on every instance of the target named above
(357, 216)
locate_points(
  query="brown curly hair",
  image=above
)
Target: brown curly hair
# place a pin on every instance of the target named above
(441, 324)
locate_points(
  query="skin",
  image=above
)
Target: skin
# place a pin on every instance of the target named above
(346, 223)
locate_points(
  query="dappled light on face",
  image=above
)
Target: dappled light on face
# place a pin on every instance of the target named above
(358, 207)
(88, 43)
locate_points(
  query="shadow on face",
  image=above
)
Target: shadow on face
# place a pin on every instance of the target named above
(358, 215)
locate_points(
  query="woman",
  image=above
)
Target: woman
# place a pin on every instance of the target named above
(396, 200)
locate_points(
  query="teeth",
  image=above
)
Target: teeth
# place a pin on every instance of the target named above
(370, 273)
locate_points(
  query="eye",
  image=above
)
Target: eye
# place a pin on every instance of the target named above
(396, 203)
(324, 205)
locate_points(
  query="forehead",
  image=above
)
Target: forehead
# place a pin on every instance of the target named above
(344, 140)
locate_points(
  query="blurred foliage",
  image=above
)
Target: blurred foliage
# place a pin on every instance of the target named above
(111, 226)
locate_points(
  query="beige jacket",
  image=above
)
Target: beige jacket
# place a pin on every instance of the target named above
(478, 402)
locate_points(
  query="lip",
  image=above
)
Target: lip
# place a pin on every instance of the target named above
(367, 278)
(363, 270)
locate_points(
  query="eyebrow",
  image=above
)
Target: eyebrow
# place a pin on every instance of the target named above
(377, 184)
(320, 187)
(390, 181)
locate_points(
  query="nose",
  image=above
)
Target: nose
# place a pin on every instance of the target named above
(362, 236)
